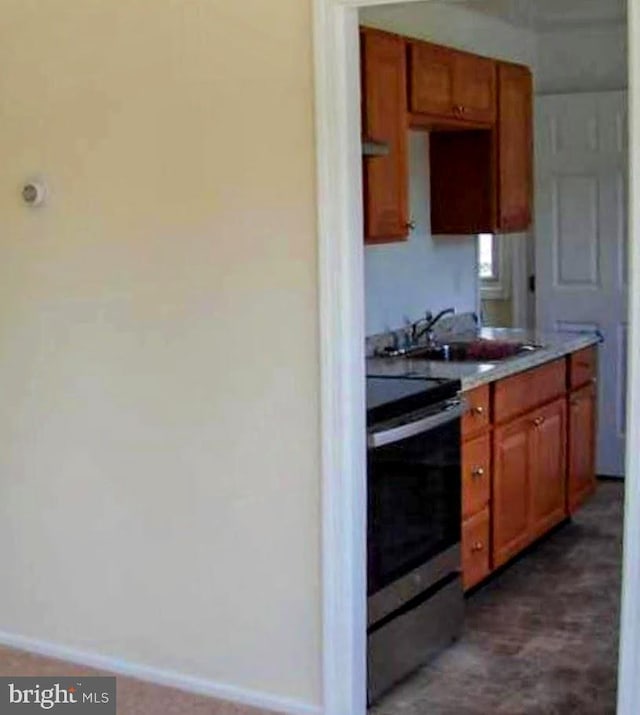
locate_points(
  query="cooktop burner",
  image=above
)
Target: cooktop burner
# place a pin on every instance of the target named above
(389, 397)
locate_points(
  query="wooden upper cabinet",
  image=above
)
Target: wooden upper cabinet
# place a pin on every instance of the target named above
(462, 170)
(480, 117)
(449, 84)
(384, 106)
(515, 147)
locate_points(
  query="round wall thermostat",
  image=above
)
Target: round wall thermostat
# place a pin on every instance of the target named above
(34, 193)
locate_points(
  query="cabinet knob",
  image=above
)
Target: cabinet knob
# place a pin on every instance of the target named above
(477, 472)
(538, 421)
(478, 546)
(477, 410)
(411, 225)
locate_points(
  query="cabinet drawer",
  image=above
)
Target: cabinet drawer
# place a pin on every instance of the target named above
(476, 475)
(477, 416)
(475, 549)
(520, 393)
(583, 367)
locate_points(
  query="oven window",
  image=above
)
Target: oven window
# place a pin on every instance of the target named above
(414, 491)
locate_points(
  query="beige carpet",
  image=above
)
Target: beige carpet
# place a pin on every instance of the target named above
(134, 697)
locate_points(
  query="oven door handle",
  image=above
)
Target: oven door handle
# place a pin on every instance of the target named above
(453, 411)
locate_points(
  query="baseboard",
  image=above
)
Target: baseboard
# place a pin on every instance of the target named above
(156, 676)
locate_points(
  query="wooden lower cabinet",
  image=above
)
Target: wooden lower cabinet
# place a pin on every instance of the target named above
(528, 479)
(528, 460)
(476, 549)
(582, 441)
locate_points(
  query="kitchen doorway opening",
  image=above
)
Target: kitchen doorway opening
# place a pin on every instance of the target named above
(341, 251)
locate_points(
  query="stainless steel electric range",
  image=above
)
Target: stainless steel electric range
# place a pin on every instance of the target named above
(415, 598)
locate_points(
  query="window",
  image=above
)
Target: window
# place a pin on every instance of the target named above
(493, 267)
(488, 257)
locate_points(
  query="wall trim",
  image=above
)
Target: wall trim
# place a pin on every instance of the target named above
(342, 319)
(342, 375)
(156, 676)
(629, 665)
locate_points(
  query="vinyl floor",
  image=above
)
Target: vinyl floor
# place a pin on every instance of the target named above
(540, 639)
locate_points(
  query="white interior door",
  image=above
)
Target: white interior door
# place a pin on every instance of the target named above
(581, 240)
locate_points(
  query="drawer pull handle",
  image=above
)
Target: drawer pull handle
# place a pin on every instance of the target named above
(477, 472)
(479, 410)
(477, 547)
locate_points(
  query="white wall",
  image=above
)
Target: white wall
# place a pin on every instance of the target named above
(405, 279)
(584, 59)
(458, 27)
(159, 432)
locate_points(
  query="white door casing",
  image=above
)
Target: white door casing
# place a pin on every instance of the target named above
(582, 240)
(341, 309)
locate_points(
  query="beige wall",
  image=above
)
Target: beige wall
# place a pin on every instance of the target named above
(159, 456)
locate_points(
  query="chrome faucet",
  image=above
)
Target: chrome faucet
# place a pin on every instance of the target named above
(431, 322)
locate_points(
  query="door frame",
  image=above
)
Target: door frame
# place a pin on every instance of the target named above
(341, 295)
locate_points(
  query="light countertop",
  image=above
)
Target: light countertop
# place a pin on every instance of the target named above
(474, 374)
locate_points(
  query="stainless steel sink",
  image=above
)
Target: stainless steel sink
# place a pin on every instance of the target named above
(480, 350)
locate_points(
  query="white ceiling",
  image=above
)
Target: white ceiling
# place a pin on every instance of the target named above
(550, 14)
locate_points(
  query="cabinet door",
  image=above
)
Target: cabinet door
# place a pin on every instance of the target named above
(384, 95)
(548, 467)
(474, 92)
(515, 147)
(431, 83)
(511, 490)
(582, 438)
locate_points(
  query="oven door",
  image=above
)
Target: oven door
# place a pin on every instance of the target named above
(414, 505)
